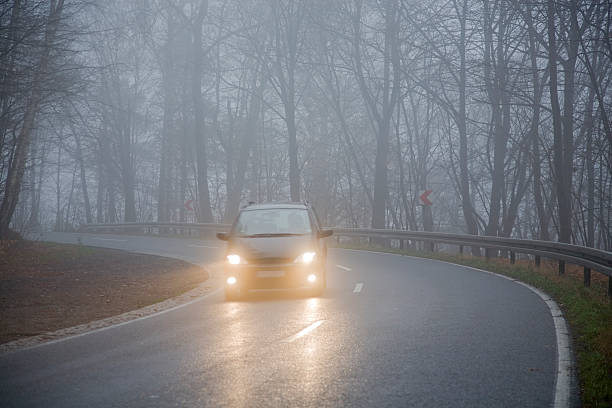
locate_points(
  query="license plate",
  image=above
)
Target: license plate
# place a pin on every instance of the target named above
(270, 274)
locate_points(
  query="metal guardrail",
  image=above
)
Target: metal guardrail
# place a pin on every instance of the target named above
(158, 228)
(584, 256)
(589, 258)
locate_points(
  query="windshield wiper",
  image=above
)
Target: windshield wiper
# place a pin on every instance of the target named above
(266, 235)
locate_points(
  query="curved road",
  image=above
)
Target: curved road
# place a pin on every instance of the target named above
(389, 331)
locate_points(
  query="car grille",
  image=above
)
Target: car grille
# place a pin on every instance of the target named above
(269, 261)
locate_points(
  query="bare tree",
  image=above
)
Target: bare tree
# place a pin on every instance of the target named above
(17, 166)
(380, 106)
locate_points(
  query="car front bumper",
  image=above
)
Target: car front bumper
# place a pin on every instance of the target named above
(273, 276)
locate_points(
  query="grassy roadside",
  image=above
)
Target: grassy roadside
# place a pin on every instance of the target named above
(588, 312)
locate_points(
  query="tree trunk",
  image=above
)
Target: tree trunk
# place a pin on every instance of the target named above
(58, 191)
(163, 183)
(558, 153)
(163, 192)
(204, 209)
(408, 210)
(246, 145)
(100, 189)
(466, 200)
(567, 167)
(294, 171)
(33, 221)
(127, 170)
(562, 126)
(83, 179)
(495, 79)
(390, 96)
(380, 179)
(536, 159)
(590, 190)
(287, 19)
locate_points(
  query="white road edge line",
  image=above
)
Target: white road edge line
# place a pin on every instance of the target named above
(304, 331)
(346, 268)
(203, 246)
(564, 357)
(358, 287)
(564, 361)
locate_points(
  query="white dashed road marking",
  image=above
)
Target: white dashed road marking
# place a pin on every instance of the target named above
(304, 331)
(346, 268)
(358, 287)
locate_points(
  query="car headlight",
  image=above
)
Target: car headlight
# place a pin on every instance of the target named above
(306, 257)
(233, 259)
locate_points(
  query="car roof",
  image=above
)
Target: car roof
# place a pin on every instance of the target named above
(266, 206)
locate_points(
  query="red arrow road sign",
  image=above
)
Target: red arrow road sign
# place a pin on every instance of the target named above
(424, 198)
(187, 205)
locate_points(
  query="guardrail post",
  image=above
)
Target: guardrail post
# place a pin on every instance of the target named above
(512, 257)
(561, 267)
(609, 286)
(461, 249)
(587, 277)
(538, 260)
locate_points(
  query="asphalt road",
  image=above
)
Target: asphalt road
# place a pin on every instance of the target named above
(388, 331)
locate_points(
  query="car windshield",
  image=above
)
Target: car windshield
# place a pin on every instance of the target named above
(273, 221)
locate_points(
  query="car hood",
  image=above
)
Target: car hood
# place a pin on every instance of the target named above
(271, 247)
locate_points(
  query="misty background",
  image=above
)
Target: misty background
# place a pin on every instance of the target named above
(184, 110)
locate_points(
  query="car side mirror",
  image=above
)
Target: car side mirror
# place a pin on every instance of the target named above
(222, 236)
(325, 233)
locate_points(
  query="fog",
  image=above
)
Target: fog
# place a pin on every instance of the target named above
(185, 110)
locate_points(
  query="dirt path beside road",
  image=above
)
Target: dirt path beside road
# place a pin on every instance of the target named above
(46, 286)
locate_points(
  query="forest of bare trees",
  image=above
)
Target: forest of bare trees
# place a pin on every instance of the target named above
(184, 110)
